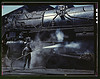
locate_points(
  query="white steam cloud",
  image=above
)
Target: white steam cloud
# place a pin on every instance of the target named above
(59, 35)
(73, 45)
(36, 58)
(38, 54)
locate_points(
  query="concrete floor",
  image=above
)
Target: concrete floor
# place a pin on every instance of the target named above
(44, 71)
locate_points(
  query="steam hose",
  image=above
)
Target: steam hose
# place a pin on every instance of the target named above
(18, 59)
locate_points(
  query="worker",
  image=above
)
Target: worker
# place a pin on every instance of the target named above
(27, 53)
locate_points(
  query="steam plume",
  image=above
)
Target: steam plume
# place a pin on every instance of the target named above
(73, 45)
(59, 35)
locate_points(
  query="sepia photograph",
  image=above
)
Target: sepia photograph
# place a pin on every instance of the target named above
(49, 39)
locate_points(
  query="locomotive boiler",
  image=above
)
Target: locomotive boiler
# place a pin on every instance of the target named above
(77, 20)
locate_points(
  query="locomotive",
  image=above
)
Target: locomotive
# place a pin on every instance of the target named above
(76, 23)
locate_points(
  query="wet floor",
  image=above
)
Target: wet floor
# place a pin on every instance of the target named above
(45, 71)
